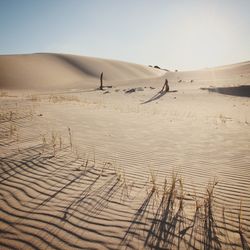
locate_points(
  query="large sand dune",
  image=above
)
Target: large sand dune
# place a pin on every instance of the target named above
(226, 73)
(66, 71)
(94, 169)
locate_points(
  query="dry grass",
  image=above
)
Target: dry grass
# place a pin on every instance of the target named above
(244, 243)
(8, 115)
(162, 215)
(70, 138)
(13, 130)
(61, 98)
(211, 238)
(33, 98)
(3, 93)
(160, 220)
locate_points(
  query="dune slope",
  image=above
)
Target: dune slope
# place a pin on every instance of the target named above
(66, 71)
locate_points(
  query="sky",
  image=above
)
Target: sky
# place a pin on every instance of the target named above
(174, 34)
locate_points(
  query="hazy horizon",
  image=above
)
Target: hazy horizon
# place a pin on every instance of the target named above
(172, 34)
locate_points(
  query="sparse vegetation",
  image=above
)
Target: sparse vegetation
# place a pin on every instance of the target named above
(70, 138)
(34, 98)
(169, 227)
(224, 118)
(161, 221)
(63, 98)
(13, 129)
(158, 212)
(3, 93)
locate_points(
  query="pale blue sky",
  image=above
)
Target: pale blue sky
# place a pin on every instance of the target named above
(183, 34)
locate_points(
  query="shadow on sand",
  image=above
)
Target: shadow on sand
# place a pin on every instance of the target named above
(243, 90)
(158, 96)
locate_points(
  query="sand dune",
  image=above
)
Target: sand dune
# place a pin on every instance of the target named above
(66, 71)
(96, 169)
(238, 72)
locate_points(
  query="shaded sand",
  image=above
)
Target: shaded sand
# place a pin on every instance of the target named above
(122, 169)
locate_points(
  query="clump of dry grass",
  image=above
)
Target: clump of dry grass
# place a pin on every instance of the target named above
(211, 234)
(245, 245)
(33, 98)
(12, 130)
(8, 115)
(125, 185)
(53, 142)
(60, 142)
(168, 226)
(3, 93)
(168, 217)
(70, 137)
(61, 98)
(44, 141)
(152, 180)
(224, 119)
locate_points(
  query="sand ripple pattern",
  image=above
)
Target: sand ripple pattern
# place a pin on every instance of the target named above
(114, 195)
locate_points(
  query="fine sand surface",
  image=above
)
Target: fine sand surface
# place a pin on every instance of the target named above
(127, 167)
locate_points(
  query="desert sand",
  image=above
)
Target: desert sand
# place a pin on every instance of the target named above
(61, 71)
(127, 167)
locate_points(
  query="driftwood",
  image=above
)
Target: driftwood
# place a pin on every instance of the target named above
(101, 81)
(165, 87)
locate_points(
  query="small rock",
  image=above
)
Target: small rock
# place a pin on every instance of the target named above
(77, 169)
(151, 87)
(157, 67)
(139, 89)
(106, 92)
(129, 91)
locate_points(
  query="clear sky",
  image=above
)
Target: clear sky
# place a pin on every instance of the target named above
(181, 34)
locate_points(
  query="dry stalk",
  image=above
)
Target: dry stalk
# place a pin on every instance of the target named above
(70, 138)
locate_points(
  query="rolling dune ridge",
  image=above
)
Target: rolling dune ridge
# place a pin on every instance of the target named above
(60, 71)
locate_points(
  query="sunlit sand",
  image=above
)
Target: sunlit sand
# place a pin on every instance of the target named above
(126, 167)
